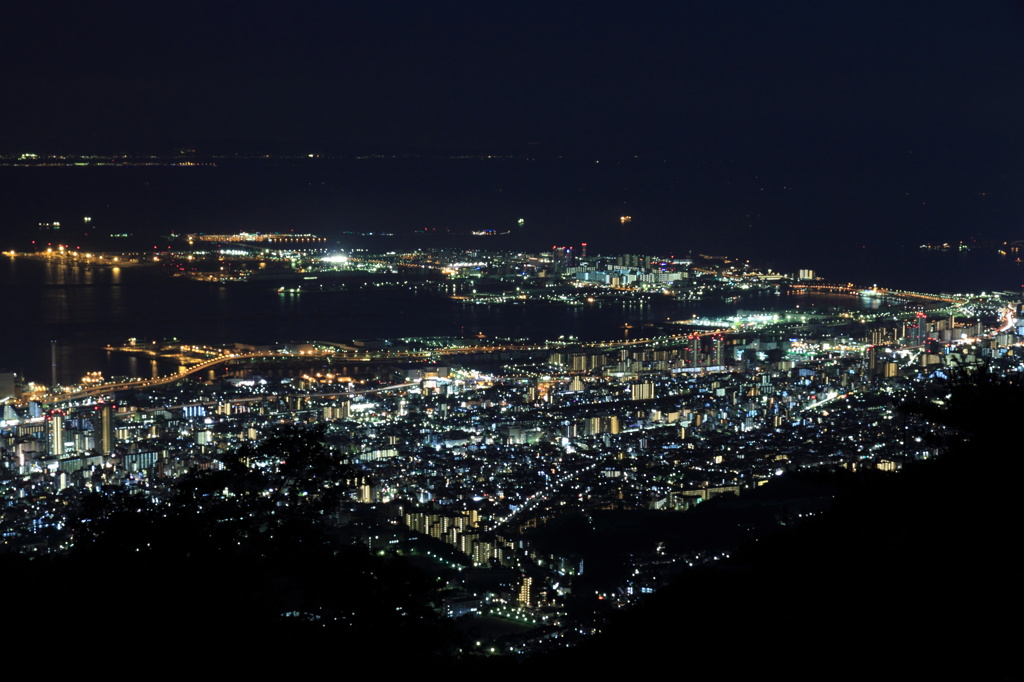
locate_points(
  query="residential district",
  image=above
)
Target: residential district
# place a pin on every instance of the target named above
(475, 456)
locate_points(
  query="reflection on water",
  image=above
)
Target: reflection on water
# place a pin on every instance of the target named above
(86, 308)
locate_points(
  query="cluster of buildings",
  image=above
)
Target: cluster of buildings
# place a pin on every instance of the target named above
(475, 458)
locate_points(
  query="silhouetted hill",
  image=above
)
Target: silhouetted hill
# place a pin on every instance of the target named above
(908, 574)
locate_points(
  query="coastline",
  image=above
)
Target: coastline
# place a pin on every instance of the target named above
(79, 259)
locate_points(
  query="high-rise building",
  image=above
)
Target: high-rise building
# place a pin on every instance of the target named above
(719, 350)
(525, 591)
(105, 437)
(919, 332)
(9, 385)
(562, 257)
(55, 432)
(641, 390)
(693, 350)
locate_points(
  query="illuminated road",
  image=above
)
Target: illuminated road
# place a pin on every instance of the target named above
(159, 381)
(896, 293)
(827, 400)
(285, 396)
(1008, 320)
(368, 357)
(545, 493)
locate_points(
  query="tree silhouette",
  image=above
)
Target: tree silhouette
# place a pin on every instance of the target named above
(247, 548)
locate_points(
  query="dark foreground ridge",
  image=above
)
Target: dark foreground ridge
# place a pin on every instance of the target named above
(909, 574)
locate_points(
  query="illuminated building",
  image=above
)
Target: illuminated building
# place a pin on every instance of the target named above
(919, 332)
(524, 591)
(55, 432)
(9, 385)
(719, 350)
(641, 390)
(694, 351)
(562, 257)
(105, 438)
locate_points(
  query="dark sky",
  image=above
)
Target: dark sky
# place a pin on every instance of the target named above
(793, 78)
(818, 125)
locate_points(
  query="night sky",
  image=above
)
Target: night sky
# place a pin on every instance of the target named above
(834, 115)
(805, 79)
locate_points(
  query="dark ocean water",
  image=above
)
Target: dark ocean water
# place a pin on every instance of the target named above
(676, 208)
(785, 216)
(84, 309)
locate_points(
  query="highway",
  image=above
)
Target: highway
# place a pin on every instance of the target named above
(375, 356)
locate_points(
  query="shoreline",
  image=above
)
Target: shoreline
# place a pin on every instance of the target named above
(86, 260)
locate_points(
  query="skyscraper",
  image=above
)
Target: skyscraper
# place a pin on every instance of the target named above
(919, 333)
(55, 432)
(105, 429)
